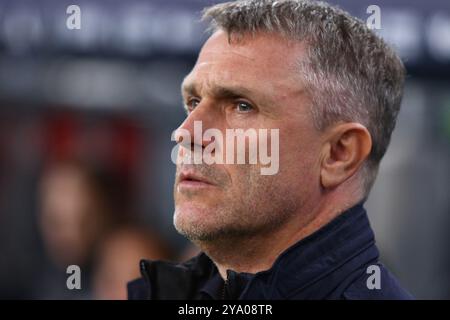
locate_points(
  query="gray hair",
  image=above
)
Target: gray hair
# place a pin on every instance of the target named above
(351, 74)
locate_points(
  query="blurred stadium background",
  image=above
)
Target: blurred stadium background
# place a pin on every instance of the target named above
(85, 123)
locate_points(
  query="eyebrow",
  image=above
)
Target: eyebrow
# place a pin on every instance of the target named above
(217, 91)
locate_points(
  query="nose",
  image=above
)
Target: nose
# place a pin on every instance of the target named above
(199, 120)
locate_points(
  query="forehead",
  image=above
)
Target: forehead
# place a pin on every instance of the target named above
(264, 61)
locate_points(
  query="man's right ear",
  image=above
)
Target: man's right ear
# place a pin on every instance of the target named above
(346, 147)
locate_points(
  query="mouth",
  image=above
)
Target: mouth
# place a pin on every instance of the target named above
(191, 180)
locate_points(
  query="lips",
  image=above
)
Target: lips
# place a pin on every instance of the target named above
(193, 178)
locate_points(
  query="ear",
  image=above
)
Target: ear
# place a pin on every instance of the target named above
(344, 149)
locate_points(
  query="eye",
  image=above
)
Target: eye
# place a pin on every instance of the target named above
(243, 106)
(191, 104)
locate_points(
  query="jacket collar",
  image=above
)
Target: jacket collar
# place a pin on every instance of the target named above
(314, 267)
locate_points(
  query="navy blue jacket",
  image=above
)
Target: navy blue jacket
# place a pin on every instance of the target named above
(339, 261)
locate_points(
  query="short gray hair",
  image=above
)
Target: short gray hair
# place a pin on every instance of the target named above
(350, 73)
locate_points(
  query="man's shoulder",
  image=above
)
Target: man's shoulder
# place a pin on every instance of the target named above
(376, 283)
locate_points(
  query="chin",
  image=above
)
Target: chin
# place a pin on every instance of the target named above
(191, 214)
(194, 221)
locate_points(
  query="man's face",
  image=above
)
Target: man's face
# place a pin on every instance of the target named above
(251, 84)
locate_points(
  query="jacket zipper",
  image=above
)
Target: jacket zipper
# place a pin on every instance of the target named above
(224, 289)
(144, 273)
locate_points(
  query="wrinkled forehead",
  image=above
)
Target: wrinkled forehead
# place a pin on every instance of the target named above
(263, 58)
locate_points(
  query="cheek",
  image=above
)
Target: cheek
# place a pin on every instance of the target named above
(299, 157)
(247, 179)
(239, 177)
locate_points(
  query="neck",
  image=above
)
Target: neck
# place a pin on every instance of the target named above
(257, 253)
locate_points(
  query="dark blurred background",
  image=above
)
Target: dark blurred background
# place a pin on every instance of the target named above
(85, 123)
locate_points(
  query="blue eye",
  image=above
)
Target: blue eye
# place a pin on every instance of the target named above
(191, 104)
(243, 106)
